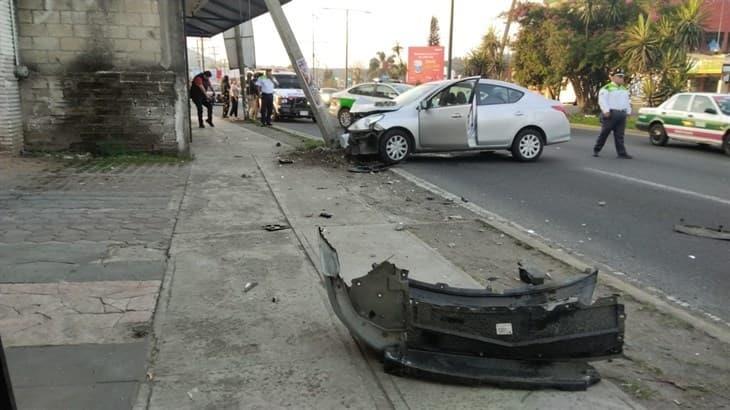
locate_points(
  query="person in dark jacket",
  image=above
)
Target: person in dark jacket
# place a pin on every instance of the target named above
(226, 93)
(198, 89)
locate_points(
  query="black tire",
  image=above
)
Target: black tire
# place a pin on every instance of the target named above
(726, 144)
(344, 117)
(314, 119)
(657, 134)
(395, 146)
(527, 145)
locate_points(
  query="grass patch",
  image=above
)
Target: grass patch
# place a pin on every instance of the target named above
(309, 144)
(106, 163)
(587, 119)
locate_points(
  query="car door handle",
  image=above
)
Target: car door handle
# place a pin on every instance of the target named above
(456, 116)
(664, 113)
(519, 114)
(691, 116)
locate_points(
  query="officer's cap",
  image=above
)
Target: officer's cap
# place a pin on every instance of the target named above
(617, 71)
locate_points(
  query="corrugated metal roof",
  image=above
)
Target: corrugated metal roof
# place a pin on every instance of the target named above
(206, 18)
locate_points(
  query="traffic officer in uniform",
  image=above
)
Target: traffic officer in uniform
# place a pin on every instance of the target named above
(615, 108)
(266, 87)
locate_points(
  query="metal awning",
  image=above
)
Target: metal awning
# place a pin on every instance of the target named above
(206, 18)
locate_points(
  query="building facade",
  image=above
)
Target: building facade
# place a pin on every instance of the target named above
(103, 76)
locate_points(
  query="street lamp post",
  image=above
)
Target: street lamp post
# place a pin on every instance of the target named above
(451, 38)
(347, 38)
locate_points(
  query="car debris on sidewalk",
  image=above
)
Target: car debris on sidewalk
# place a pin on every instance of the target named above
(531, 337)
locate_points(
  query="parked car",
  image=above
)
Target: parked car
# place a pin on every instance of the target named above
(703, 118)
(289, 98)
(439, 117)
(367, 93)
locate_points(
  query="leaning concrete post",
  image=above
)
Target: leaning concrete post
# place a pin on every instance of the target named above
(324, 121)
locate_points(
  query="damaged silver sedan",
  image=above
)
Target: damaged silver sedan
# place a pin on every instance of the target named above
(536, 336)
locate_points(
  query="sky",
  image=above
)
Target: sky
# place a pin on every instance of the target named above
(375, 25)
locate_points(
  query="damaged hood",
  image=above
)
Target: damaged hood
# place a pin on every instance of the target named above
(535, 336)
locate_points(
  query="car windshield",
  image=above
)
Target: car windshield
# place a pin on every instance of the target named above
(723, 101)
(286, 81)
(414, 93)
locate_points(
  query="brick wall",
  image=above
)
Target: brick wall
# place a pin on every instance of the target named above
(97, 82)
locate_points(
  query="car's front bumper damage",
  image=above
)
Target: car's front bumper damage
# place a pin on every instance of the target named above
(360, 142)
(538, 336)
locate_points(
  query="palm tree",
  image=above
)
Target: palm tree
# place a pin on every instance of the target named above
(642, 46)
(690, 18)
(380, 64)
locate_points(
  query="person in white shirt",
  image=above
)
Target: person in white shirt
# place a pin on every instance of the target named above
(615, 104)
(235, 95)
(266, 86)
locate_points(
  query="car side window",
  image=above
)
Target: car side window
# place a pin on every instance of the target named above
(701, 103)
(682, 103)
(366, 89)
(490, 94)
(457, 94)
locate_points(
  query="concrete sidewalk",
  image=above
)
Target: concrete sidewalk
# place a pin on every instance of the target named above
(279, 344)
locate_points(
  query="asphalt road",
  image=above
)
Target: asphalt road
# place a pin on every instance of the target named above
(558, 197)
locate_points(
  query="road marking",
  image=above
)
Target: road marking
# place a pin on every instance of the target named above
(662, 186)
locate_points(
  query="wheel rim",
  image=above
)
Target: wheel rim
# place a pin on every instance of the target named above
(657, 134)
(345, 118)
(396, 147)
(530, 146)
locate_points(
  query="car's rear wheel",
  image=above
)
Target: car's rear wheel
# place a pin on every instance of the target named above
(527, 145)
(395, 146)
(726, 144)
(344, 117)
(657, 134)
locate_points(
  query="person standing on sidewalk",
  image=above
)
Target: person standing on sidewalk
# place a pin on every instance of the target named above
(235, 95)
(615, 106)
(198, 93)
(226, 95)
(252, 96)
(266, 87)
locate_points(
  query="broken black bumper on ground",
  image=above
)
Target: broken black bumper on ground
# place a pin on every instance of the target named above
(532, 337)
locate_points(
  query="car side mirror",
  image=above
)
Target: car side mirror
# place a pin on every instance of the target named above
(710, 111)
(423, 105)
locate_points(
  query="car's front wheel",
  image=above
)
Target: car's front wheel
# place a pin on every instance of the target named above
(344, 117)
(527, 145)
(726, 144)
(657, 134)
(395, 146)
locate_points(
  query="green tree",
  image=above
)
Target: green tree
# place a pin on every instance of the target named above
(485, 60)
(434, 38)
(398, 69)
(659, 53)
(380, 65)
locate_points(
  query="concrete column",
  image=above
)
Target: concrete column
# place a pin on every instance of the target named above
(174, 51)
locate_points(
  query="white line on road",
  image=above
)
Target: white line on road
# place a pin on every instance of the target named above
(661, 186)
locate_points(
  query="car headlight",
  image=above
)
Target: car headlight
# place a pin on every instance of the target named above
(370, 121)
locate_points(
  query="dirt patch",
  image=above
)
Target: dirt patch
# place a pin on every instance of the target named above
(667, 363)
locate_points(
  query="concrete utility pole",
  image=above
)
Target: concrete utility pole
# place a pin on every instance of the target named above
(451, 39)
(299, 63)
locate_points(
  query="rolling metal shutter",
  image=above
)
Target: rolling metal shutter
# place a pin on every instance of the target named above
(11, 123)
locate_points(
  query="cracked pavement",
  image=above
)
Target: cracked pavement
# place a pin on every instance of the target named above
(83, 254)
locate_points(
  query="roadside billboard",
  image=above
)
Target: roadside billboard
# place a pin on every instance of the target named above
(425, 64)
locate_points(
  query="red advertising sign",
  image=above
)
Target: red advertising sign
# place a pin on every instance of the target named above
(425, 64)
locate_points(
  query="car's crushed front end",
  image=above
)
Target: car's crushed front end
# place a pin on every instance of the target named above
(537, 336)
(362, 137)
